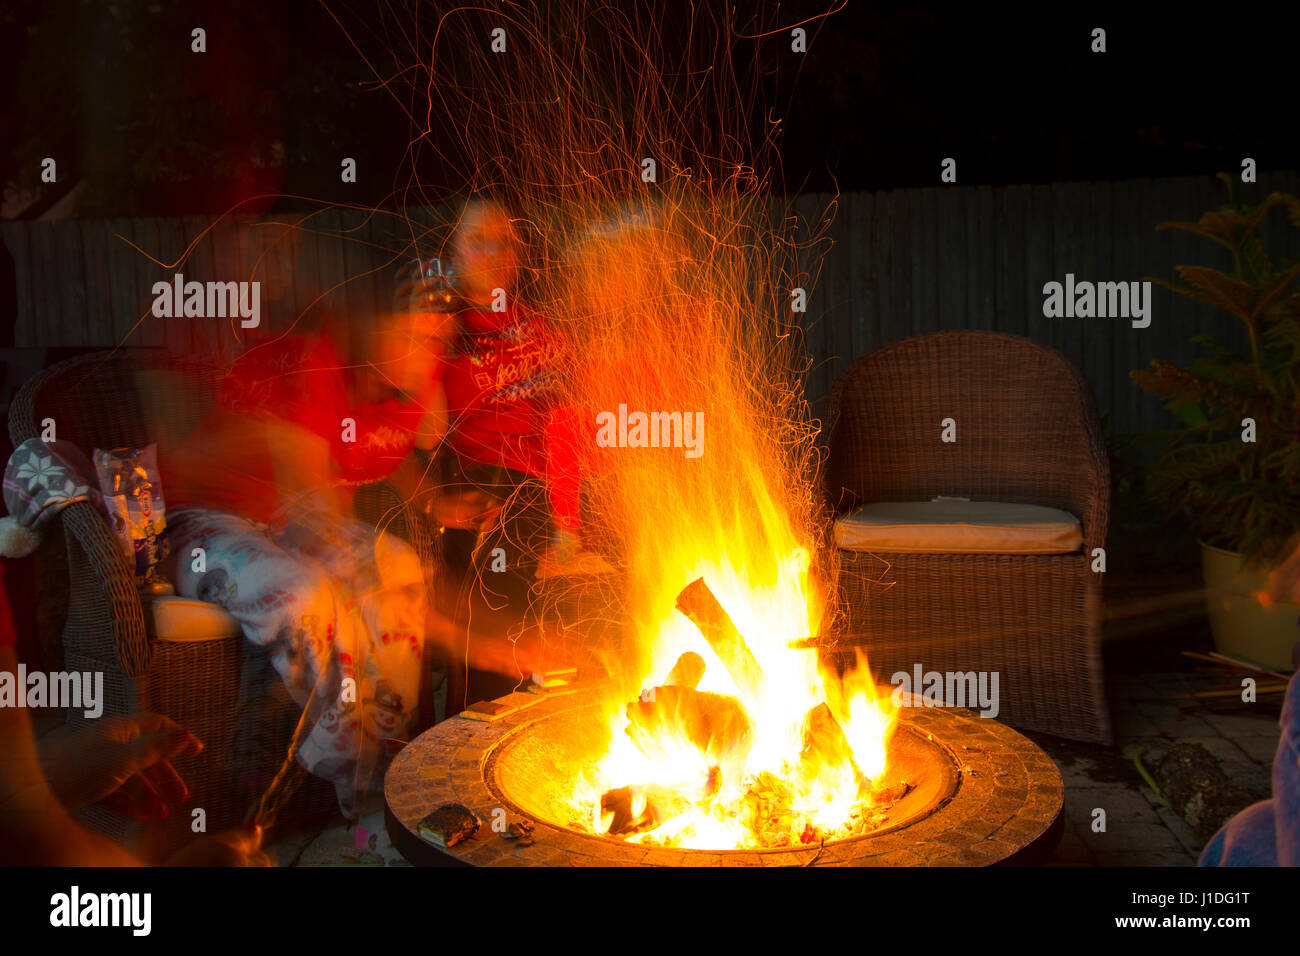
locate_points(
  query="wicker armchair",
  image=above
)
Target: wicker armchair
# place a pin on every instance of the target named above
(106, 400)
(1027, 432)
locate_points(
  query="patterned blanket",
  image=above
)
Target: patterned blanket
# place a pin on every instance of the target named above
(340, 612)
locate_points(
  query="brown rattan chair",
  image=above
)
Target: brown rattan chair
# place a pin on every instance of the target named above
(107, 400)
(1027, 432)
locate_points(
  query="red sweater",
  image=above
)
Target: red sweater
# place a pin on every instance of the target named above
(226, 463)
(500, 383)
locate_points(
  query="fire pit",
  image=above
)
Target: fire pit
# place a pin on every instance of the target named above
(981, 793)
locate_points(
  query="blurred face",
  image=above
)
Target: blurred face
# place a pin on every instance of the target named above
(486, 250)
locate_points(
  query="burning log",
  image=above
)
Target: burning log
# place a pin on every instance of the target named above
(687, 672)
(716, 724)
(824, 745)
(700, 605)
(641, 808)
(628, 818)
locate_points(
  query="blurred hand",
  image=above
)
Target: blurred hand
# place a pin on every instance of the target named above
(241, 846)
(470, 509)
(122, 762)
(1283, 583)
(408, 348)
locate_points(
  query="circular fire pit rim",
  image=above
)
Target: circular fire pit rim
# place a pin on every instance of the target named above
(1009, 794)
(491, 756)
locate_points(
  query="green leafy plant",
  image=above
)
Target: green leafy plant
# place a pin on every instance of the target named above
(1239, 495)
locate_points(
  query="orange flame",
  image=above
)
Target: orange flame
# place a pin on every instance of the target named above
(739, 515)
(643, 176)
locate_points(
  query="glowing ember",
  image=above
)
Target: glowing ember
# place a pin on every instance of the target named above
(788, 759)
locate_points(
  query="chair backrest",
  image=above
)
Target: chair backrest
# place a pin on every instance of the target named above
(1023, 417)
(116, 399)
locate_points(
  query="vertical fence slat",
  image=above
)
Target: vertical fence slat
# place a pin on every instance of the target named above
(306, 271)
(837, 321)
(152, 331)
(97, 243)
(954, 267)
(73, 276)
(972, 231)
(246, 242)
(17, 238)
(904, 263)
(1096, 258)
(386, 255)
(1125, 401)
(814, 271)
(204, 336)
(1043, 260)
(1012, 267)
(128, 300)
(262, 268)
(43, 329)
(1153, 255)
(177, 333)
(354, 265)
(49, 302)
(330, 251)
(1068, 255)
(850, 311)
(868, 280)
(221, 260)
(883, 233)
(925, 308)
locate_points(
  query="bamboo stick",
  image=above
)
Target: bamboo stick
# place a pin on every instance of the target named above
(1210, 694)
(1249, 666)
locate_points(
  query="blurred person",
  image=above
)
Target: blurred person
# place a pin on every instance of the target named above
(499, 383)
(262, 490)
(1267, 833)
(499, 378)
(123, 763)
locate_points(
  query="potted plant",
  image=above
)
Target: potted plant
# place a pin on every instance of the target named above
(1232, 465)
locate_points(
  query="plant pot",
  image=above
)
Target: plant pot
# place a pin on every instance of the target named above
(1242, 627)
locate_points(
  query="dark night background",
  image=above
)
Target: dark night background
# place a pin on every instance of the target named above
(880, 98)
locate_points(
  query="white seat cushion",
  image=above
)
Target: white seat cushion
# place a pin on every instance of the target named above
(958, 527)
(183, 619)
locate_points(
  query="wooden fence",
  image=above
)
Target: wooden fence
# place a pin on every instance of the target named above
(909, 262)
(898, 263)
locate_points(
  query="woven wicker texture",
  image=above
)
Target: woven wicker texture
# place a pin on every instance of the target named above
(1026, 431)
(98, 401)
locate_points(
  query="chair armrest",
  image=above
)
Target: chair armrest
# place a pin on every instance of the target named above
(381, 505)
(1089, 491)
(103, 593)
